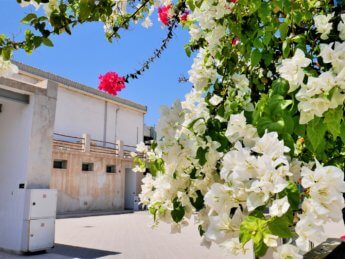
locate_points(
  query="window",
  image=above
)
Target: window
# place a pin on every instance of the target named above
(87, 167)
(111, 169)
(60, 164)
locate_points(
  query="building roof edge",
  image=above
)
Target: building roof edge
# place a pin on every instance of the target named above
(76, 85)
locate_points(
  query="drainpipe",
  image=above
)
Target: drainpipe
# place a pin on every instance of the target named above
(116, 111)
(105, 123)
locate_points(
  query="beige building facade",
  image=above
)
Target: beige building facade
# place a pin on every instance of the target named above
(92, 138)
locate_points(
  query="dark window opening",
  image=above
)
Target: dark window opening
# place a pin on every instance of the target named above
(60, 164)
(86, 167)
(111, 169)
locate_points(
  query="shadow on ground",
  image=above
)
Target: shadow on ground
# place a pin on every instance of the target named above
(79, 252)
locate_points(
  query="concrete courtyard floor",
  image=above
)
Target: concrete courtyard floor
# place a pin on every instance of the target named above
(125, 236)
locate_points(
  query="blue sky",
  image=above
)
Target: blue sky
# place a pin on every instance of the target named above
(86, 54)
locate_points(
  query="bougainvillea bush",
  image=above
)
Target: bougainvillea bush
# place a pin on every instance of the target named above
(256, 150)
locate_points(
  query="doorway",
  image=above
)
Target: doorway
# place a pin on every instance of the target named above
(130, 188)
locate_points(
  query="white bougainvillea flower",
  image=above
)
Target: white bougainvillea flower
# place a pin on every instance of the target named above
(223, 227)
(311, 107)
(31, 2)
(147, 21)
(195, 32)
(292, 69)
(279, 207)
(323, 24)
(234, 247)
(287, 251)
(341, 27)
(7, 68)
(238, 129)
(213, 38)
(309, 228)
(201, 74)
(241, 83)
(335, 56)
(50, 7)
(142, 148)
(215, 100)
(138, 169)
(271, 240)
(239, 164)
(270, 145)
(255, 200)
(218, 198)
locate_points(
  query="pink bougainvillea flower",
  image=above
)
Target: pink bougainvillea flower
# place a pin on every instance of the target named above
(164, 14)
(235, 41)
(184, 16)
(111, 83)
(234, 1)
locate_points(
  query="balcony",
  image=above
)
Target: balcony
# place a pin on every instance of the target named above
(85, 144)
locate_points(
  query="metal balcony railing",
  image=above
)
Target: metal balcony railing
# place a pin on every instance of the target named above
(67, 143)
(98, 146)
(63, 142)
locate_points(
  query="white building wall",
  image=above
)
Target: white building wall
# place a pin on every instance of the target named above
(130, 127)
(15, 128)
(77, 113)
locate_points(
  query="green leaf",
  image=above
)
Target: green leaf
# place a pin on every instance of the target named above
(259, 109)
(255, 57)
(316, 130)
(260, 248)
(283, 29)
(198, 203)
(250, 227)
(6, 53)
(201, 155)
(333, 120)
(280, 227)
(201, 231)
(27, 19)
(84, 10)
(267, 38)
(156, 166)
(293, 195)
(191, 5)
(198, 3)
(37, 41)
(266, 123)
(47, 42)
(342, 131)
(178, 212)
(280, 86)
(267, 57)
(286, 49)
(188, 50)
(258, 212)
(258, 44)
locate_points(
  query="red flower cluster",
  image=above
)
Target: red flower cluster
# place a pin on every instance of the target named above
(164, 13)
(235, 41)
(111, 83)
(184, 16)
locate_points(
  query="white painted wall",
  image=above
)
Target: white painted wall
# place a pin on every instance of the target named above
(77, 113)
(130, 127)
(15, 129)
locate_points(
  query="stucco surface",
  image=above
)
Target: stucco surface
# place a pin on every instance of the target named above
(90, 191)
